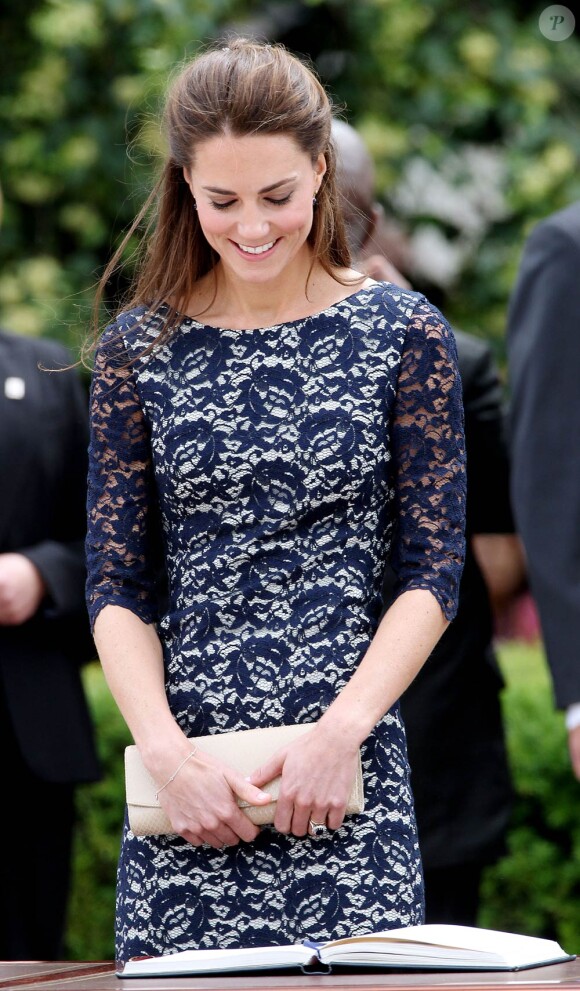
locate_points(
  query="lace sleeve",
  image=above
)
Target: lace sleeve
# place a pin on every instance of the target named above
(429, 462)
(119, 563)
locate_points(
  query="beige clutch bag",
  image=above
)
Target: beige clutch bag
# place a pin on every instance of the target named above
(244, 750)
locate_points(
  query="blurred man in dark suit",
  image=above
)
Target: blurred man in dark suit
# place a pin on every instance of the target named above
(544, 369)
(452, 713)
(45, 733)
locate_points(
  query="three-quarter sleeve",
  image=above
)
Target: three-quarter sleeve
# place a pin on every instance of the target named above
(120, 567)
(429, 462)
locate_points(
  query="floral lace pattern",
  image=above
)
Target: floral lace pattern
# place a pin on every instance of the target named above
(283, 465)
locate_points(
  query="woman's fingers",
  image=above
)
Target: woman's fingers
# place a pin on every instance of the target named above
(315, 785)
(329, 817)
(244, 827)
(221, 837)
(223, 823)
(208, 797)
(245, 789)
(335, 817)
(211, 839)
(220, 833)
(284, 817)
(248, 793)
(192, 838)
(269, 770)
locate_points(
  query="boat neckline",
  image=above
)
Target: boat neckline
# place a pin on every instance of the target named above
(184, 318)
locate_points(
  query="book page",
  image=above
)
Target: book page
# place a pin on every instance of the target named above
(220, 961)
(439, 943)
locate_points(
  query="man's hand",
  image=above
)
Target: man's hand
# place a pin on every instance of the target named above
(22, 589)
(574, 748)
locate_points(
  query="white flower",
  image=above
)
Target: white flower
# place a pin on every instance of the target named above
(436, 258)
(465, 193)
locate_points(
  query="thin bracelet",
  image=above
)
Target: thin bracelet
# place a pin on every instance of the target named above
(175, 773)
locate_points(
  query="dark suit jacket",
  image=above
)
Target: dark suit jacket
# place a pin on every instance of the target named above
(43, 443)
(460, 777)
(544, 362)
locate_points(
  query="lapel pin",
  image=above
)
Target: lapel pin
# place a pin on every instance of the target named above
(14, 387)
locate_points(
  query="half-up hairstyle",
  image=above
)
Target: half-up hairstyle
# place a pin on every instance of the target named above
(241, 88)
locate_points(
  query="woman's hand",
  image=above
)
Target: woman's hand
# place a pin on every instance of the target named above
(318, 772)
(201, 803)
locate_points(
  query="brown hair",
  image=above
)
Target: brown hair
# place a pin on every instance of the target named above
(242, 87)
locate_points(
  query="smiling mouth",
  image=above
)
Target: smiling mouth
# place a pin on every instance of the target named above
(259, 250)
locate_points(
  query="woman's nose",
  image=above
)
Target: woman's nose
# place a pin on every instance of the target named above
(253, 224)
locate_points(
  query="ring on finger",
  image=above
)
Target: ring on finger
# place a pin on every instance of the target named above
(317, 829)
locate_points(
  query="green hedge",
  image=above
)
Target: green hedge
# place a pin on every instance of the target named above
(100, 815)
(534, 889)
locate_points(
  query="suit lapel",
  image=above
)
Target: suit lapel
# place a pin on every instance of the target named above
(16, 386)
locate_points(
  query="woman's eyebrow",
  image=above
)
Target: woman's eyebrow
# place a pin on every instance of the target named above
(266, 189)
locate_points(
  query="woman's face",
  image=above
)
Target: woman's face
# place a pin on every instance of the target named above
(254, 202)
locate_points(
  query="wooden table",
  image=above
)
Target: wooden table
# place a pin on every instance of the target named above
(35, 976)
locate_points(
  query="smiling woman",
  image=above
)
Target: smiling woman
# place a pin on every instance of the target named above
(259, 229)
(286, 424)
(252, 169)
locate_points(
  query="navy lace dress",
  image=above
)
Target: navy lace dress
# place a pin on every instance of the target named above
(284, 464)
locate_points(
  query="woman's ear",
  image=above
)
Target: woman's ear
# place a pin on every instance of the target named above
(187, 177)
(320, 169)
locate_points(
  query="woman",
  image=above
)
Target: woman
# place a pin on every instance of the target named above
(279, 413)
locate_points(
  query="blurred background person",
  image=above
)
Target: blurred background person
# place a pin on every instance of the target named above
(452, 712)
(372, 238)
(45, 732)
(544, 370)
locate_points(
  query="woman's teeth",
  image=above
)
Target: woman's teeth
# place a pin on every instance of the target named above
(257, 251)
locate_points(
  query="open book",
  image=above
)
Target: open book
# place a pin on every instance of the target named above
(417, 947)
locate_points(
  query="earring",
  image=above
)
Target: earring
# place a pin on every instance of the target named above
(194, 205)
(314, 201)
